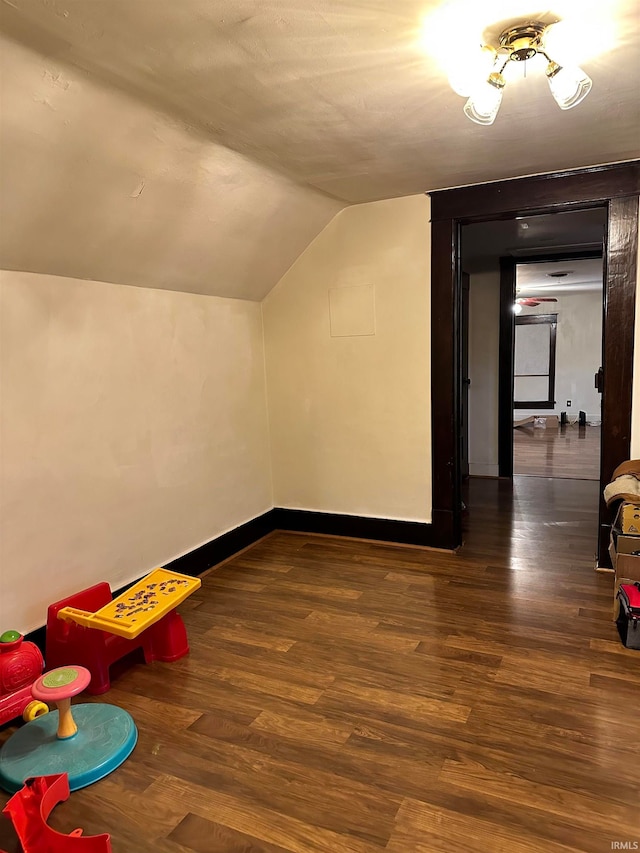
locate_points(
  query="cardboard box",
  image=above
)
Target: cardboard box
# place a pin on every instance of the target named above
(628, 519)
(538, 421)
(628, 566)
(625, 543)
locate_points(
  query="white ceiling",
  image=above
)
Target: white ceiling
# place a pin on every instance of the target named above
(340, 94)
(582, 276)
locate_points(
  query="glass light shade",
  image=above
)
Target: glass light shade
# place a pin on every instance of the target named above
(471, 67)
(569, 86)
(586, 34)
(483, 105)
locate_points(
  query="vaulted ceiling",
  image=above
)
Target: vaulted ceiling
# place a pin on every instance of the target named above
(331, 101)
(340, 94)
(97, 185)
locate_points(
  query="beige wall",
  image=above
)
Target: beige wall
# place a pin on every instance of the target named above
(350, 414)
(98, 185)
(134, 429)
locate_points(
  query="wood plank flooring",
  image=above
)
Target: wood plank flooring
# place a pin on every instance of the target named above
(353, 697)
(570, 452)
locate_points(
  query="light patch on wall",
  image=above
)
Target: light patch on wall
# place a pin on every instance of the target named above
(352, 311)
(56, 79)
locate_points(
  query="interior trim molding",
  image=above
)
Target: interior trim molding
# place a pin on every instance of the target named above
(229, 544)
(577, 187)
(506, 381)
(357, 527)
(619, 331)
(222, 547)
(615, 188)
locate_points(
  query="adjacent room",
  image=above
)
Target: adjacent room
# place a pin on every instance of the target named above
(319, 426)
(556, 264)
(557, 366)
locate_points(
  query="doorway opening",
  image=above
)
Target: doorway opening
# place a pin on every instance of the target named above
(534, 328)
(557, 365)
(613, 189)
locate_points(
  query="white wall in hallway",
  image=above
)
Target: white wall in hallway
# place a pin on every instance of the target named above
(578, 353)
(484, 337)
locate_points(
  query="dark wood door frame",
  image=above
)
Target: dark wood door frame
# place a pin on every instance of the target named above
(508, 264)
(505, 366)
(464, 388)
(617, 188)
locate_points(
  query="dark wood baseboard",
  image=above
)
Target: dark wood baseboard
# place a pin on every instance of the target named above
(211, 553)
(199, 560)
(356, 527)
(39, 637)
(299, 521)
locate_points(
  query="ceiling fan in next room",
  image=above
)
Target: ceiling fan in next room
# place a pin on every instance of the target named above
(531, 302)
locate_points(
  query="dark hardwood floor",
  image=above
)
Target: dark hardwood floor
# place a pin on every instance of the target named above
(352, 697)
(572, 452)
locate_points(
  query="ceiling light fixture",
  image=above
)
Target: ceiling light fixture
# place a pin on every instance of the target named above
(569, 85)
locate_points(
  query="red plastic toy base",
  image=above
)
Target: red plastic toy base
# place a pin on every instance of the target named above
(69, 644)
(29, 810)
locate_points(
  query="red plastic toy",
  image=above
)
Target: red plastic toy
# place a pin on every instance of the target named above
(69, 643)
(20, 665)
(29, 810)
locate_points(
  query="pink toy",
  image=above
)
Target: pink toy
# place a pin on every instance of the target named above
(31, 806)
(20, 664)
(59, 686)
(69, 643)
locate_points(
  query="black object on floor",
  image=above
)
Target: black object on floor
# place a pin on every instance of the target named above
(628, 621)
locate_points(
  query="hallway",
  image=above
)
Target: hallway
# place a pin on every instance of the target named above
(532, 520)
(571, 452)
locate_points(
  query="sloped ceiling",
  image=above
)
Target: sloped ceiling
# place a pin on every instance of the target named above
(340, 94)
(96, 185)
(202, 144)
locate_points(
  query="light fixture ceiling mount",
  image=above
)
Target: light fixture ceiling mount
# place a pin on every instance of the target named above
(569, 86)
(523, 42)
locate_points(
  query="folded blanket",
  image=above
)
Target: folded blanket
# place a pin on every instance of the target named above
(631, 466)
(625, 483)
